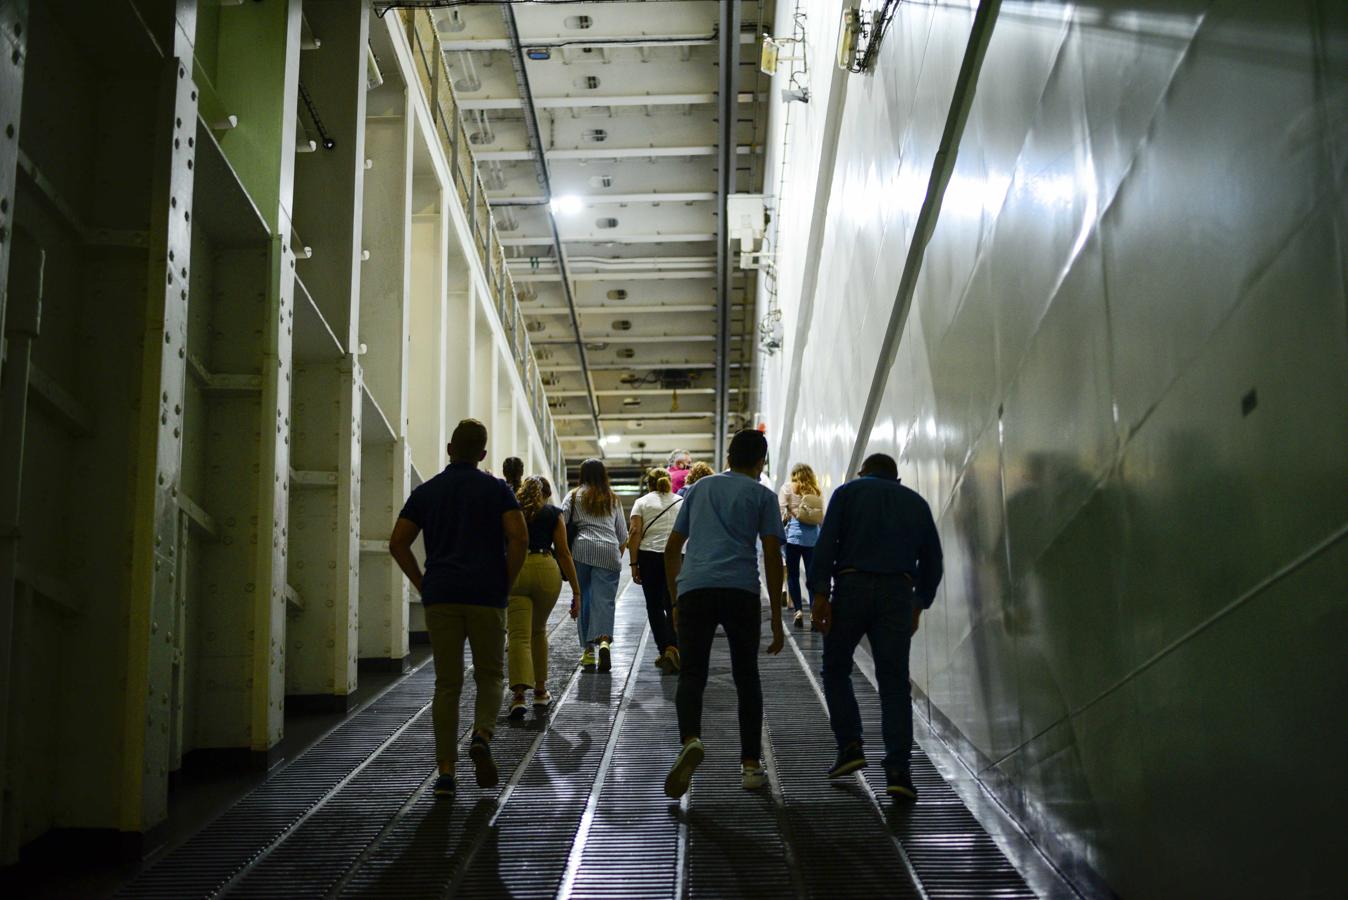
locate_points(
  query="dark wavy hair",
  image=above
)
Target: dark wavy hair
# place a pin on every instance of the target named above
(512, 469)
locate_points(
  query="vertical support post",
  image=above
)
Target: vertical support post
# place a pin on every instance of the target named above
(145, 743)
(269, 611)
(386, 465)
(23, 324)
(13, 57)
(426, 427)
(328, 211)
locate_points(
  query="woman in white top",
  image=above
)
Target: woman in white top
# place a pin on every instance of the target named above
(652, 520)
(593, 509)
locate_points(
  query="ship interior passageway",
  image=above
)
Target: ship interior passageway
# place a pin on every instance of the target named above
(1067, 279)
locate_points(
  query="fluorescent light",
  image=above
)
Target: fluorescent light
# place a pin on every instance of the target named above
(567, 204)
(612, 439)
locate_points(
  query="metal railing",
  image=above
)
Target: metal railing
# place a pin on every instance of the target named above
(428, 61)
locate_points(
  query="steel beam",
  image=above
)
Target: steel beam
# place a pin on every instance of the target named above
(588, 101)
(608, 152)
(614, 237)
(602, 199)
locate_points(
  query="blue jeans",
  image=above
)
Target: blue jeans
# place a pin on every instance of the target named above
(879, 607)
(795, 553)
(598, 597)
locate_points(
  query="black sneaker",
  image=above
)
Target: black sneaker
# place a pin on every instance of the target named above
(850, 758)
(900, 786)
(445, 786)
(484, 767)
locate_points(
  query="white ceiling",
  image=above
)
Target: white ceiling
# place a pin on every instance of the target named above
(626, 111)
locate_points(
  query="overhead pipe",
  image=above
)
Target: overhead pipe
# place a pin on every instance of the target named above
(540, 160)
(727, 107)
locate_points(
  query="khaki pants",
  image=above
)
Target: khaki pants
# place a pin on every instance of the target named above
(531, 602)
(484, 628)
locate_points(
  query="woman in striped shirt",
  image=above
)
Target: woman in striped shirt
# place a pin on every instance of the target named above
(593, 509)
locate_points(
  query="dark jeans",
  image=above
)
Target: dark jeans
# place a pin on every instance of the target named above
(879, 607)
(651, 565)
(740, 614)
(794, 554)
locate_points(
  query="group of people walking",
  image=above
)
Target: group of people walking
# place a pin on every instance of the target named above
(497, 552)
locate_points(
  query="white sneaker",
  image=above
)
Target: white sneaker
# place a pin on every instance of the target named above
(752, 776)
(681, 776)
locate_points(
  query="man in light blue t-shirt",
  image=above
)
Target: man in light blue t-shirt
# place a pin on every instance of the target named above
(722, 520)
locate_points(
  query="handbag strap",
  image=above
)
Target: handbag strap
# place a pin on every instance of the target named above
(645, 528)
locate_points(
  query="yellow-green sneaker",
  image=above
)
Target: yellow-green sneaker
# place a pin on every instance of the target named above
(587, 660)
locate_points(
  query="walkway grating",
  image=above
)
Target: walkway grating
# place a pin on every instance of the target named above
(581, 811)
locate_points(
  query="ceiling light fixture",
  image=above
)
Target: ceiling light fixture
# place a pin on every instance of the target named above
(567, 204)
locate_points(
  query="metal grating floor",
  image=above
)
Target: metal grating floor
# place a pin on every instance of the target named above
(581, 811)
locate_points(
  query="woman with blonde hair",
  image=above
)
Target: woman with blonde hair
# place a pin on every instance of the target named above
(652, 520)
(802, 509)
(698, 470)
(594, 511)
(535, 593)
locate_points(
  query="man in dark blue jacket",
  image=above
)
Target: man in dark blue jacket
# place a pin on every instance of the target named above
(879, 549)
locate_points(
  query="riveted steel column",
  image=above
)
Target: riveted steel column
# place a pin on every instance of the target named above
(146, 743)
(22, 326)
(259, 70)
(13, 46)
(13, 55)
(329, 392)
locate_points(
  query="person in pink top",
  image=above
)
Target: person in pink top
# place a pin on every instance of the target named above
(679, 461)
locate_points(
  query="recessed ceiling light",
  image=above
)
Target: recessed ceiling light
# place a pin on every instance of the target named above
(567, 204)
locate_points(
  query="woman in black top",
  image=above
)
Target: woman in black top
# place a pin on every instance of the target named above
(535, 593)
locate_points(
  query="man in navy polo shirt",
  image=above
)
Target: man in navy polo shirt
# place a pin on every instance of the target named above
(879, 548)
(723, 518)
(476, 541)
